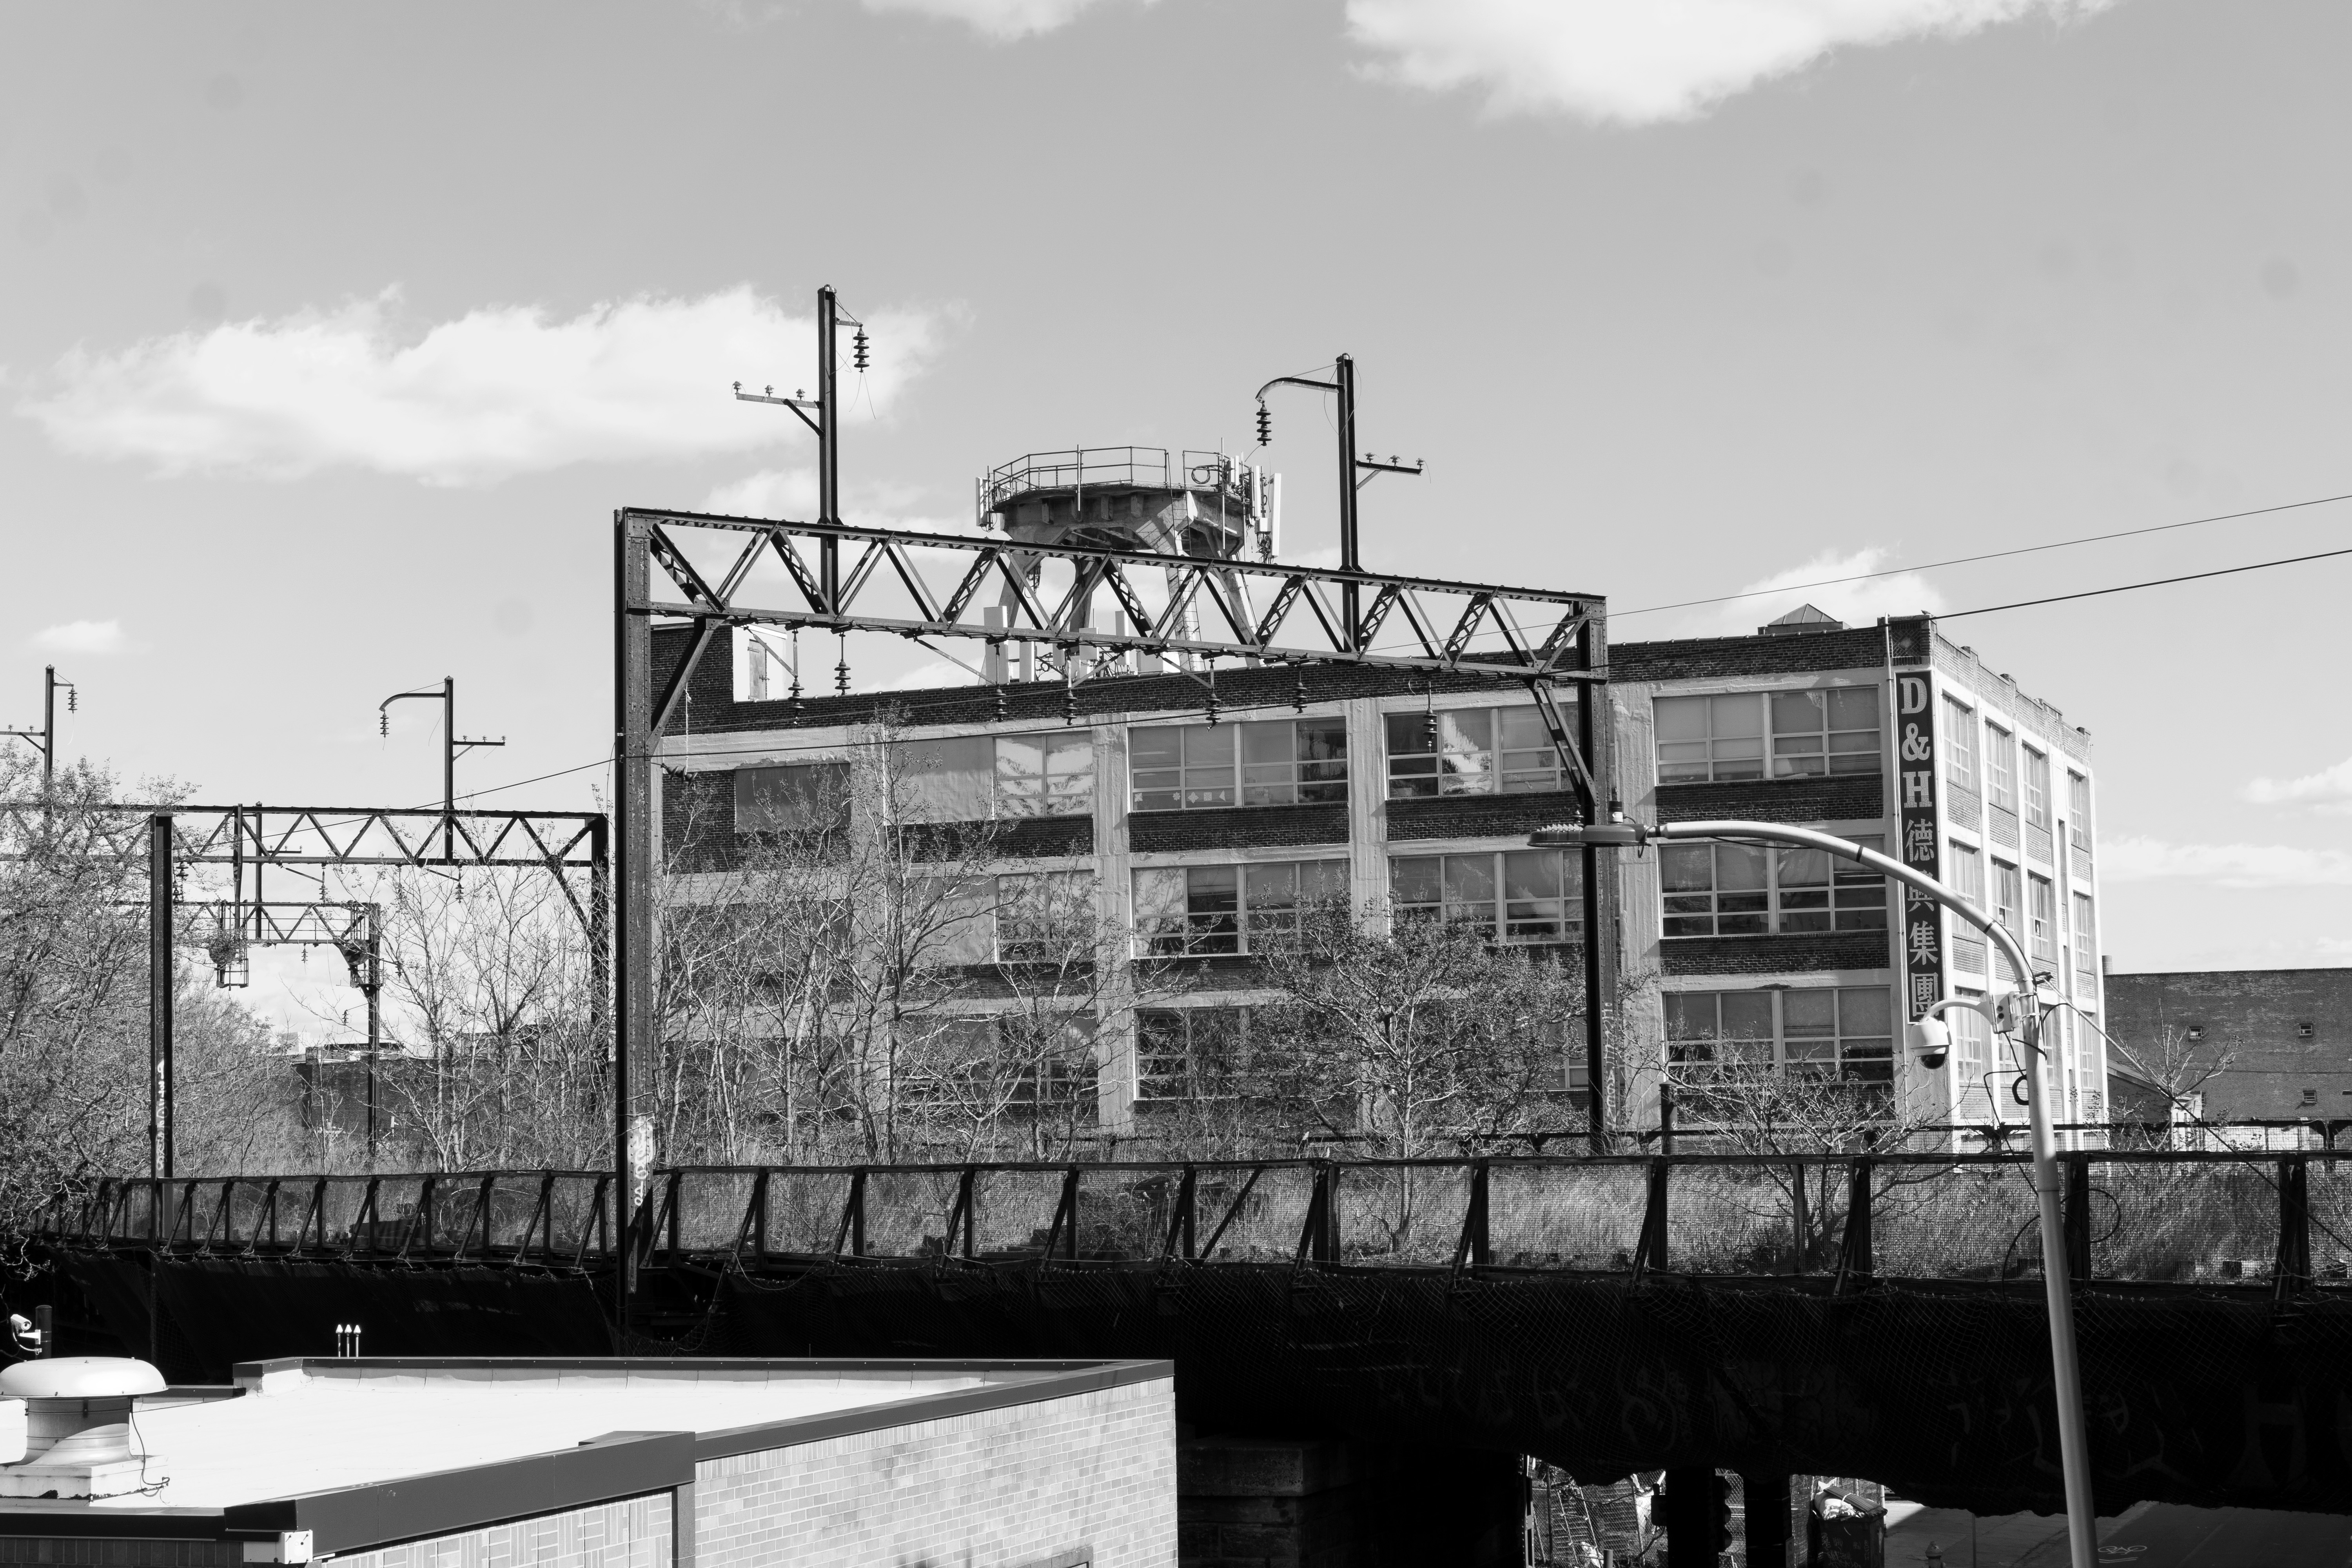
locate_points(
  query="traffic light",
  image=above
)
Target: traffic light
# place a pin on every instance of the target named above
(1720, 1493)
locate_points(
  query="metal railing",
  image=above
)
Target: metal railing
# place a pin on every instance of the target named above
(556, 1218)
(1143, 467)
(2222, 1219)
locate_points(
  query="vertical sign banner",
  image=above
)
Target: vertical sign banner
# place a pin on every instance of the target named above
(1922, 931)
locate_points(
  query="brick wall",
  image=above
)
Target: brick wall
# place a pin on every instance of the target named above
(997, 1489)
(1478, 815)
(1236, 826)
(1849, 798)
(1799, 953)
(630, 1533)
(2257, 1014)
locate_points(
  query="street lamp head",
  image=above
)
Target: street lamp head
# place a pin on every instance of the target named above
(1600, 834)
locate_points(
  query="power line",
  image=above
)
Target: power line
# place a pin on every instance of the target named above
(1993, 555)
(965, 701)
(2153, 583)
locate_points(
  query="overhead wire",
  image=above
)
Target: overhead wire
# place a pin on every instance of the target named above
(960, 701)
(1989, 555)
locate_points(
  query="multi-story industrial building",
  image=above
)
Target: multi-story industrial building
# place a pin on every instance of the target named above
(1200, 813)
(1898, 737)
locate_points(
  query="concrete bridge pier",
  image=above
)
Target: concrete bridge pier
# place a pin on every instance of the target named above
(1270, 1503)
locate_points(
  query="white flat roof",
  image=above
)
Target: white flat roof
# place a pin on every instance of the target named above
(308, 1427)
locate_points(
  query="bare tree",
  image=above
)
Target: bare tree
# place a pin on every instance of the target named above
(500, 1061)
(75, 1084)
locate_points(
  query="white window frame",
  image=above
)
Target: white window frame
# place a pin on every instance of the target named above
(1157, 1084)
(2037, 788)
(1195, 786)
(2042, 916)
(1243, 931)
(2078, 810)
(1500, 922)
(1960, 745)
(1846, 891)
(2000, 766)
(1469, 755)
(1873, 1049)
(1769, 763)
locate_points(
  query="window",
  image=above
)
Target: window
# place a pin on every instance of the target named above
(1999, 788)
(1971, 1041)
(1960, 745)
(1185, 911)
(1045, 917)
(2086, 941)
(2008, 897)
(1189, 1053)
(2037, 789)
(1967, 873)
(972, 778)
(1722, 739)
(1734, 889)
(1281, 762)
(1047, 775)
(1521, 895)
(2043, 907)
(1710, 738)
(802, 797)
(2078, 809)
(1816, 1031)
(1470, 751)
(1831, 732)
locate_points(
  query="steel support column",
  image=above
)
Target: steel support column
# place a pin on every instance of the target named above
(1592, 736)
(159, 994)
(633, 778)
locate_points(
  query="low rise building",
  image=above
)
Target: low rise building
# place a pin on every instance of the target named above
(596, 1464)
(2251, 1044)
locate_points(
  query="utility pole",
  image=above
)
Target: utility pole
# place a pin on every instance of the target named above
(1343, 385)
(451, 744)
(45, 739)
(822, 415)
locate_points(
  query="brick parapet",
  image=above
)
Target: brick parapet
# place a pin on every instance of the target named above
(1015, 1485)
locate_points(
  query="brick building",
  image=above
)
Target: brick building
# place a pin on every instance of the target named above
(1416, 793)
(2287, 1035)
(601, 1464)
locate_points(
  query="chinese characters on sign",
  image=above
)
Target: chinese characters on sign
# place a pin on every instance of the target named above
(1914, 773)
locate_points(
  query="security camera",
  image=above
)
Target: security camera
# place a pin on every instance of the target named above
(1930, 1041)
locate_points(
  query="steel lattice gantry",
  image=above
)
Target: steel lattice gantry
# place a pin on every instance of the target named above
(560, 843)
(715, 572)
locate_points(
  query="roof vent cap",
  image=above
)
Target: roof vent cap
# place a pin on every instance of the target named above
(79, 1377)
(77, 1426)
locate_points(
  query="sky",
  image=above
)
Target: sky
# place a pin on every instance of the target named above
(332, 336)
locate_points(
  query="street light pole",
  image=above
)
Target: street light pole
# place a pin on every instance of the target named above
(2074, 1437)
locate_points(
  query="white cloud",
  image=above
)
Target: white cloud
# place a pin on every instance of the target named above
(2329, 789)
(499, 390)
(1815, 583)
(81, 637)
(790, 494)
(2229, 865)
(996, 18)
(1636, 62)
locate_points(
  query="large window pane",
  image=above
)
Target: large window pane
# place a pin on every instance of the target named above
(800, 798)
(949, 780)
(1049, 775)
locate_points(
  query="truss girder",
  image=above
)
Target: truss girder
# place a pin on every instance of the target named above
(942, 584)
(356, 835)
